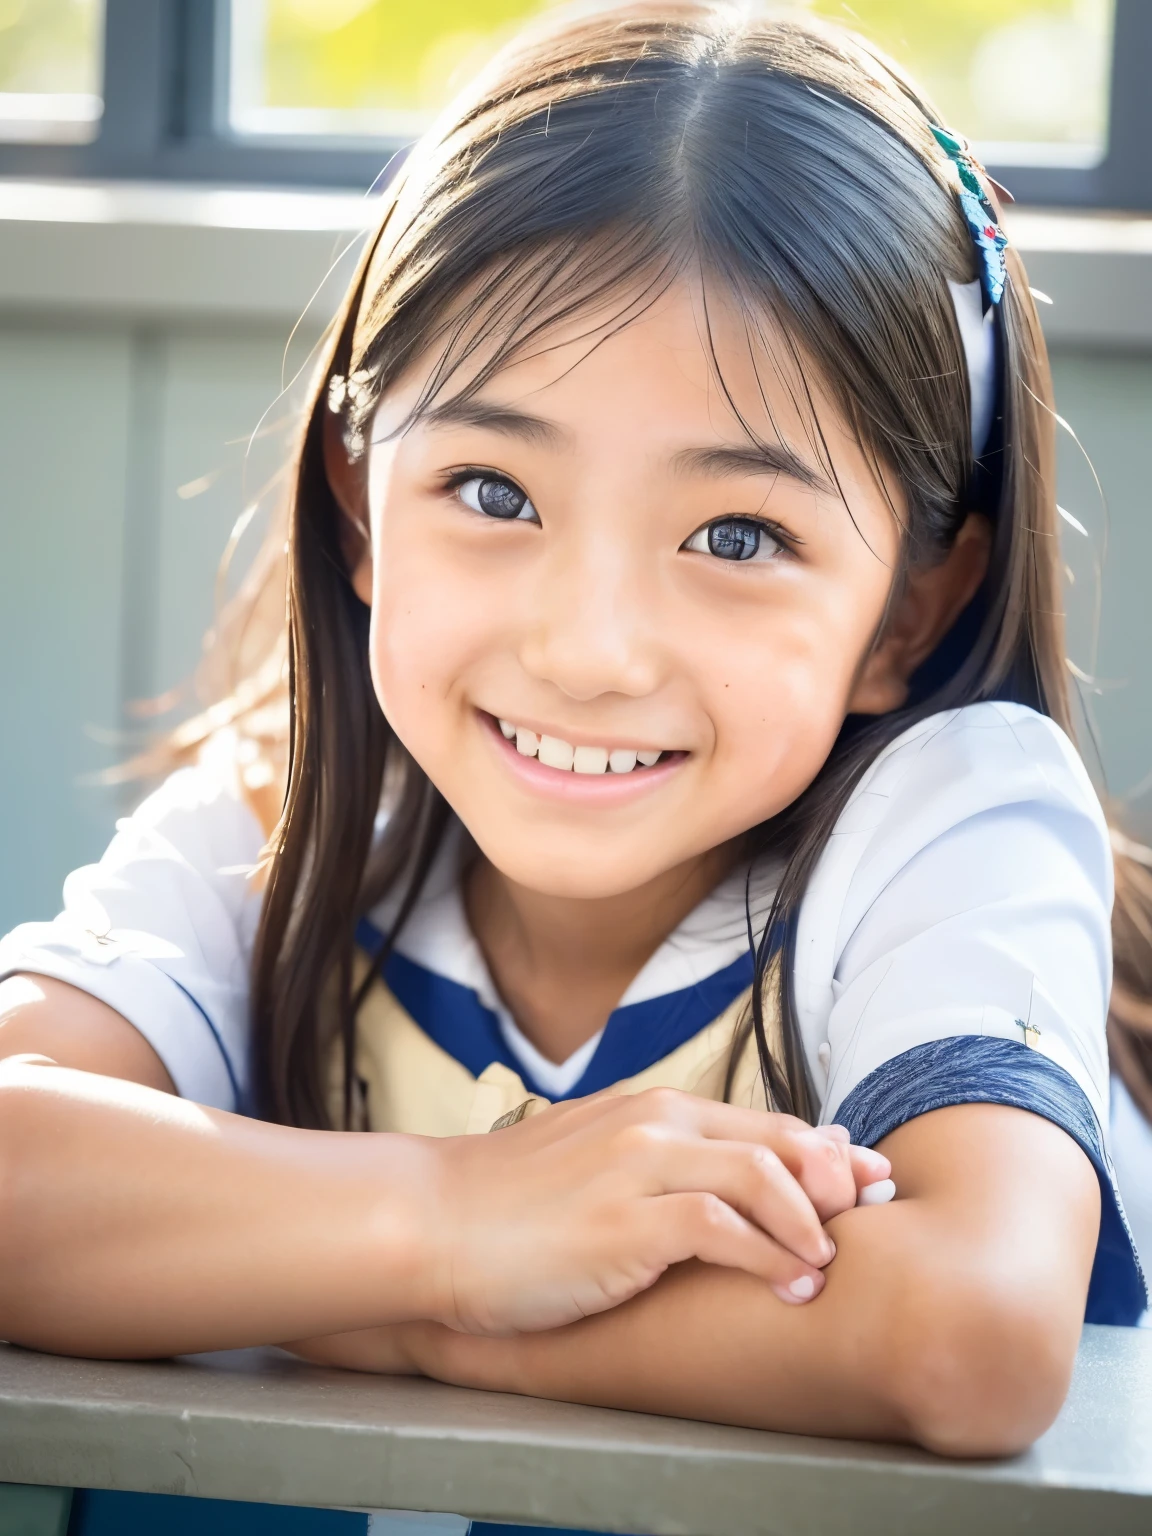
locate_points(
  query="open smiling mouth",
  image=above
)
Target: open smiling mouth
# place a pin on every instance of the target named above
(556, 753)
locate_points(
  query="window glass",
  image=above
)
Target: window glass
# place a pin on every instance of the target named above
(359, 66)
(1025, 79)
(50, 67)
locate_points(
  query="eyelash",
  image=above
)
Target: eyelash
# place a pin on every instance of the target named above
(461, 477)
(787, 543)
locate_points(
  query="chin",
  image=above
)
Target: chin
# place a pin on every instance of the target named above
(570, 869)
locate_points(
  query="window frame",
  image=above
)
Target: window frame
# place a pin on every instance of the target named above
(165, 119)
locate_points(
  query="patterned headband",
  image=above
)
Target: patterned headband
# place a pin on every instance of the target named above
(976, 303)
(980, 216)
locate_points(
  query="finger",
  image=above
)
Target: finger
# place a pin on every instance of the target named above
(814, 1155)
(785, 1134)
(750, 1179)
(699, 1226)
(732, 1122)
(834, 1178)
(832, 1172)
(868, 1167)
(818, 1161)
(823, 1169)
(834, 1132)
(877, 1194)
(710, 1118)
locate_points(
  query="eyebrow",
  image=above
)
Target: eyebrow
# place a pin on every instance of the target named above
(755, 459)
(497, 418)
(715, 461)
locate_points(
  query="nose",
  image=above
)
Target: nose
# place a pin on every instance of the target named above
(592, 624)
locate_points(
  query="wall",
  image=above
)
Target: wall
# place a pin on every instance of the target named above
(142, 340)
(123, 454)
(1106, 397)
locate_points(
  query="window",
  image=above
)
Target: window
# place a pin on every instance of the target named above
(1025, 79)
(322, 92)
(50, 55)
(358, 68)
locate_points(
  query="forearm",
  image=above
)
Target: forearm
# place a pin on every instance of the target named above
(710, 1344)
(704, 1343)
(137, 1224)
(943, 1321)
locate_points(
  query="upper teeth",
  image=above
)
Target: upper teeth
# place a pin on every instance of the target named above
(554, 753)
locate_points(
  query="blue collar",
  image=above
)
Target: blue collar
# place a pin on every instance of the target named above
(635, 1037)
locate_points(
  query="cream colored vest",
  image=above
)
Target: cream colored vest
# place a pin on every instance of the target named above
(413, 1085)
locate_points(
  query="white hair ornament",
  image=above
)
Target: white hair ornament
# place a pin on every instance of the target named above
(978, 333)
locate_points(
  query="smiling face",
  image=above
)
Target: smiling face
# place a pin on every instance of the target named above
(591, 563)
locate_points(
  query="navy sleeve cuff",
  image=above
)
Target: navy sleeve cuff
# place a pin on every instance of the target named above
(980, 1069)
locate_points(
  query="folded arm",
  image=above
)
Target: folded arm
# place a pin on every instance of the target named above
(137, 1223)
(950, 1317)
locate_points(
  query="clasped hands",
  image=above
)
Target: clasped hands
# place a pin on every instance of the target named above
(577, 1209)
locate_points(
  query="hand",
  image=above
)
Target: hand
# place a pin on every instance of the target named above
(578, 1208)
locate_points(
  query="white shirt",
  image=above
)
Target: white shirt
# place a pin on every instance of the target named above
(962, 906)
(968, 884)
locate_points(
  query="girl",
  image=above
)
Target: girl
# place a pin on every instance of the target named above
(678, 745)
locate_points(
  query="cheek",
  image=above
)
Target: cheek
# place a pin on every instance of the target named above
(783, 693)
(429, 627)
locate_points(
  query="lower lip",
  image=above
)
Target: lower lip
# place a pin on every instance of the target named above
(599, 789)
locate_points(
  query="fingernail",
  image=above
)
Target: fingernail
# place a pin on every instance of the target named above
(875, 1160)
(801, 1290)
(835, 1132)
(827, 1253)
(876, 1194)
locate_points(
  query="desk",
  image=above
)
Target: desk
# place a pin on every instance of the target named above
(259, 1425)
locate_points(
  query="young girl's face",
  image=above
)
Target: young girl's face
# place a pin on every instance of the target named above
(593, 550)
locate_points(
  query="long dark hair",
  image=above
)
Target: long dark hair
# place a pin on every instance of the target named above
(599, 161)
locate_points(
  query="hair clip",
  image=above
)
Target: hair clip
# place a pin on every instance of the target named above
(351, 397)
(987, 236)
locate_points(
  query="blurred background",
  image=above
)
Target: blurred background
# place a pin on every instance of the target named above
(1011, 71)
(182, 187)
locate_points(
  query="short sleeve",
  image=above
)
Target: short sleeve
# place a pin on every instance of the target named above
(161, 929)
(955, 946)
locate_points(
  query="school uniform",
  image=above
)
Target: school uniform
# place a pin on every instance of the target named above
(953, 947)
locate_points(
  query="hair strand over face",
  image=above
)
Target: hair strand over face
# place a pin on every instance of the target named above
(780, 160)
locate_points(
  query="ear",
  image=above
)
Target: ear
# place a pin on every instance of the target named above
(933, 599)
(349, 483)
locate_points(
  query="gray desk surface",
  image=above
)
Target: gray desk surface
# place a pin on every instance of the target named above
(256, 1424)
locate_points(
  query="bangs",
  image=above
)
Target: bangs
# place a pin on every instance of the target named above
(512, 310)
(586, 290)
